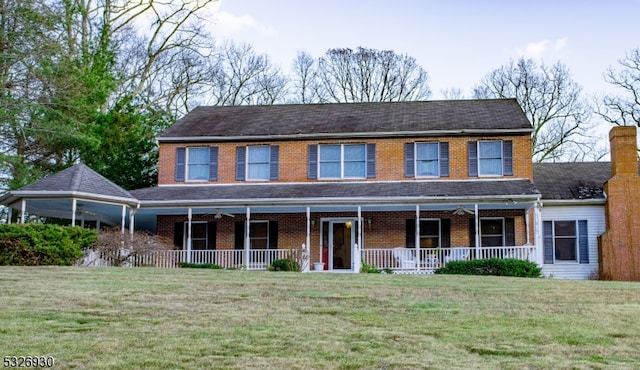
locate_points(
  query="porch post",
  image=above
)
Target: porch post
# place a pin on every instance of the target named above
(357, 255)
(23, 210)
(122, 219)
(306, 258)
(527, 225)
(74, 206)
(308, 238)
(477, 221)
(247, 238)
(418, 236)
(189, 216)
(537, 233)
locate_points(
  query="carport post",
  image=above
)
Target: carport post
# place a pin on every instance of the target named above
(74, 206)
(23, 210)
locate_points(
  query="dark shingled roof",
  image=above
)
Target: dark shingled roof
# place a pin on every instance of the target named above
(78, 178)
(352, 190)
(361, 118)
(576, 180)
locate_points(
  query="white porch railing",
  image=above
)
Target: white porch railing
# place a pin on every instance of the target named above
(404, 260)
(258, 259)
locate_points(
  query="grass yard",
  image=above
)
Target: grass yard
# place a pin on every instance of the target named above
(117, 318)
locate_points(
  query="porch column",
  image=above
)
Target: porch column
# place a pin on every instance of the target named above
(357, 255)
(417, 236)
(537, 233)
(189, 215)
(122, 219)
(247, 238)
(23, 210)
(477, 221)
(306, 258)
(527, 225)
(74, 206)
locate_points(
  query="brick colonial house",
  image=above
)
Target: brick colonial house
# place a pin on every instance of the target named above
(407, 186)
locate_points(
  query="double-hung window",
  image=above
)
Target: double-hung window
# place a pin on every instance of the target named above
(426, 159)
(259, 234)
(258, 162)
(430, 233)
(196, 163)
(343, 161)
(490, 158)
(565, 241)
(492, 232)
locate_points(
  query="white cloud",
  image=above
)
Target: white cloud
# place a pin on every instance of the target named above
(549, 50)
(227, 24)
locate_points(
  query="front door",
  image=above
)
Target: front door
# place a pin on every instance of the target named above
(341, 241)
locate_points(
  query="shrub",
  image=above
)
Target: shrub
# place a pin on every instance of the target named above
(43, 244)
(370, 269)
(492, 266)
(116, 247)
(285, 264)
(200, 265)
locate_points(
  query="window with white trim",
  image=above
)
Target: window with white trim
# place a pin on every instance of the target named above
(259, 234)
(427, 159)
(199, 234)
(490, 158)
(197, 164)
(492, 232)
(342, 161)
(258, 162)
(430, 233)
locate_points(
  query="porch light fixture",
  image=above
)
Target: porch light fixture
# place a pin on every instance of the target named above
(347, 224)
(313, 223)
(369, 223)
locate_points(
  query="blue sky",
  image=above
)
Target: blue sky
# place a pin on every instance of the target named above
(456, 41)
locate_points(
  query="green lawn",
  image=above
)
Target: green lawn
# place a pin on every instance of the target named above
(118, 318)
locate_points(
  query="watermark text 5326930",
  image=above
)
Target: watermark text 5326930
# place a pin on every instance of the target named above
(28, 361)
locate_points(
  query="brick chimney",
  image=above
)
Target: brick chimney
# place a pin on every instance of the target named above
(619, 245)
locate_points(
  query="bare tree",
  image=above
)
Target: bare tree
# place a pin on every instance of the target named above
(624, 109)
(239, 76)
(305, 80)
(364, 75)
(550, 99)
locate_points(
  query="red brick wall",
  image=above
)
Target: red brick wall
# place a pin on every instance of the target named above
(389, 158)
(619, 245)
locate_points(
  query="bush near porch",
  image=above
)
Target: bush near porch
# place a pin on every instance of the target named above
(492, 266)
(39, 244)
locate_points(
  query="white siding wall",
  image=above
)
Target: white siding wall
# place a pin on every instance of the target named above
(594, 214)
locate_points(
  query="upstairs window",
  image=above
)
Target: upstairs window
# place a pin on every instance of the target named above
(257, 162)
(490, 158)
(342, 161)
(428, 159)
(196, 164)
